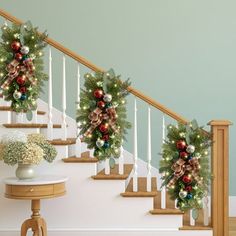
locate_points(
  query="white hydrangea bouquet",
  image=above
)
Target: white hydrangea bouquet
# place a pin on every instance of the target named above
(18, 148)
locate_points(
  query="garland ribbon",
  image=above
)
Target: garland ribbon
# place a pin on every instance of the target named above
(14, 69)
(180, 168)
(97, 117)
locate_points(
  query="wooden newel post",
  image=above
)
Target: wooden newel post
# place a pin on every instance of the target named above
(220, 182)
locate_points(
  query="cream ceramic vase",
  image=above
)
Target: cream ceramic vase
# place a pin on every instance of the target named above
(25, 171)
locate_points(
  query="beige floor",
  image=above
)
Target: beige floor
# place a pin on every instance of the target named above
(232, 226)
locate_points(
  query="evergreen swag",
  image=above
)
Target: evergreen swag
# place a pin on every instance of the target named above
(21, 65)
(102, 114)
(185, 164)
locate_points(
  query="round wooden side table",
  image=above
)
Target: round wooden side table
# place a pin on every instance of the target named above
(42, 187)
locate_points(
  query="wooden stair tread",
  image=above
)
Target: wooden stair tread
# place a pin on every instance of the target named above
(8, 108)
(196, 227)
(34, 125)
(68, 141)
(142, 186)
(85, 158)
(166, 212)
(114, 173)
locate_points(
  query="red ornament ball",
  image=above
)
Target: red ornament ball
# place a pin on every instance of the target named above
(103, 128)
(105, 137)
(18, 56)
(23, 89)
(15, 46)
(181, 145)
(186, 179)
(101, 104)
(189, 188)
(98, 93)
(183, 155)
(21, 80)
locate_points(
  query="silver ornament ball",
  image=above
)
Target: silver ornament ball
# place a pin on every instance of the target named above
(190, 149)
(100, 143)
(107, 97)
(183, 194)
(24, 50)
(17, 95)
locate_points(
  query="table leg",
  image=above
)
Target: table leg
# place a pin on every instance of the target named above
(44, 227)
(36, 223)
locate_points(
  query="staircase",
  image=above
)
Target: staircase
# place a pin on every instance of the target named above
(126, 200)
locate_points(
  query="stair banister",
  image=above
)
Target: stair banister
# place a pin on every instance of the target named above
(93, 67)
(219, 196)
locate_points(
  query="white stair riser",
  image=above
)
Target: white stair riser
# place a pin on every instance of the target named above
(5, 117)
(4, 103)
(4, 130)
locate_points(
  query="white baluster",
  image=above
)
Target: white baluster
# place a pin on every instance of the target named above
(163, 190)
(34, 117)
(107, 167)
(91, 152)
(64, 125)
(121, 161)
(50, 124)
(205, 211)
(176, 203)
(78, 141)
(135, 151)
(192, 221)
(149, 153)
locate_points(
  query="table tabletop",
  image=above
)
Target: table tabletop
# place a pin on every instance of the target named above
(39, 180)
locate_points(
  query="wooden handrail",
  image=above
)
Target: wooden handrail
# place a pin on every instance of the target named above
(93, 67)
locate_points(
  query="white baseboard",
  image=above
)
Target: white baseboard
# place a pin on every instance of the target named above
(116, 232)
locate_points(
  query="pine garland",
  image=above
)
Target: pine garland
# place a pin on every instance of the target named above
(185, 164)
(102, 114)
(21, 65)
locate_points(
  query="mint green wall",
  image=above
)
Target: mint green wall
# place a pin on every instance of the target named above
(181, 53)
